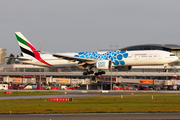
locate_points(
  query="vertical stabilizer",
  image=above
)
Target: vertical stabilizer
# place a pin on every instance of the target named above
(26, 47)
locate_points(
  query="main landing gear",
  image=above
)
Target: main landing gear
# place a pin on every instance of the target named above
(99, 73)
(92, 72)
(88, 72)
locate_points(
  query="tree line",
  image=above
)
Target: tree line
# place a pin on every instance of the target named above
(11, 58)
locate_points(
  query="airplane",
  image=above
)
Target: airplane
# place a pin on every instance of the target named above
(103, 60)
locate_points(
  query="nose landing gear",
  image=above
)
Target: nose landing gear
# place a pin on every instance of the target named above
(165, 67)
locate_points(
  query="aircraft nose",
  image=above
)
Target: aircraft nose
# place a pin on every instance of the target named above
(176, 58)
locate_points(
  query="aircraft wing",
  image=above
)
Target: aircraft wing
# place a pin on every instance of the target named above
(73, 59)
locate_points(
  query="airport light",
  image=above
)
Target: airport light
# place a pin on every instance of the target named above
(40, 46)
(111, 46)
(111, 65)
(40, 77)
(116, 50)
(98, 45)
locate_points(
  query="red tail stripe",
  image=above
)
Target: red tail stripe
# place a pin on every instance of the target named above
(37, 55)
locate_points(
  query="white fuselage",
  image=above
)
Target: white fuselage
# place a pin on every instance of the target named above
(149, 57)
(119, 58)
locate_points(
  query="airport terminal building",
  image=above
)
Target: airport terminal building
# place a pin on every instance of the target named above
(139, 75)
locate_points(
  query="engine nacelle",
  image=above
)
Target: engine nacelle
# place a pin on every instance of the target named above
(103, 65)
(124, 68)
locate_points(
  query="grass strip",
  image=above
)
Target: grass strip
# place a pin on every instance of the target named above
(98, 104)
(19, 93)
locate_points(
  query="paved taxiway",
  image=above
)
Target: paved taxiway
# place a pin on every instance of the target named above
(89, 93)
(93, 116)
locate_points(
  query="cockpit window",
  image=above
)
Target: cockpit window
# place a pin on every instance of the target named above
(172, 55)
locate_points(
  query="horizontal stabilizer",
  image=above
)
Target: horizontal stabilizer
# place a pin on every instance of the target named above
(20, 58)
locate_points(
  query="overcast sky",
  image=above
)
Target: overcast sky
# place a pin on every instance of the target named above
(78, 25)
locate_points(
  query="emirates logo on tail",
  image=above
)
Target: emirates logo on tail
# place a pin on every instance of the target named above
(28, 49)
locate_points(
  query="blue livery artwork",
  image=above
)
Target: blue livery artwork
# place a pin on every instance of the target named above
(115, 56)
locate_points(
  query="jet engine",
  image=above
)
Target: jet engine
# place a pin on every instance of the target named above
(124, 68)
(103, 65)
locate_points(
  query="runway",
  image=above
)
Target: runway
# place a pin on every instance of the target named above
(80, 93)
(93, 116)
(70, 95)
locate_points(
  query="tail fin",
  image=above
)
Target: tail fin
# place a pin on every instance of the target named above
(27, 49)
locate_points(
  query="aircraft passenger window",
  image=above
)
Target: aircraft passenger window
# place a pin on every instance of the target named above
(172, 55)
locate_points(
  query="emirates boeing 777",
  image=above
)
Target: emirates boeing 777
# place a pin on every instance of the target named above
(104, 60)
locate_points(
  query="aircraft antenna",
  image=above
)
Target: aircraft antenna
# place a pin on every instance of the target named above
(111, 65)
(116, 45)
(111, 45)
(40, 46)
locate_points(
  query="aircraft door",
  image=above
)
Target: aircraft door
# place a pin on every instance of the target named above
(159, 57)
(136, 59)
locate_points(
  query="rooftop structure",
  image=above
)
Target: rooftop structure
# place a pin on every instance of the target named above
(3, 54)
(166, 47)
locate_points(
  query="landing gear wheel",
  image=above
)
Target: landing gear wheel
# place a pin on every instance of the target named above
(103, 72)
(88, 72)
(96, 74)
(91, 72)
(100, 73)
(84, 73)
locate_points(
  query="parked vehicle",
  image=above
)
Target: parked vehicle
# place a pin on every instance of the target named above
(40, 88)
(118, 88)
(70, 88)
(28, 87)
(10, 87)
(16, 87)
(129, 88)
(143, 87)
(3, 86)
(135, 88)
